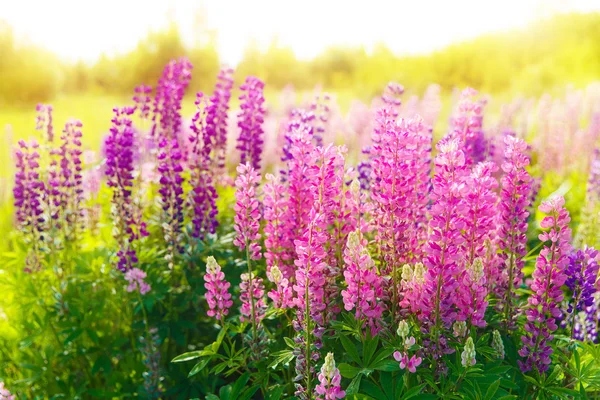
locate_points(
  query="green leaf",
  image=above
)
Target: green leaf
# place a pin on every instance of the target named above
(74, 335)
(102, 363)
(354, 385)
(239, 385)
(348, 371)
(282, 357)
(274, 393)
(373, 390)
(191, 355)
(412, 392)
(489, 394)
(289, 342)
(248, 393)
(386, 365)
(350, 349)
(199, 367)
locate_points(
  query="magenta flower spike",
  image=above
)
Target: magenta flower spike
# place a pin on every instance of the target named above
(247, 213)
(43, 121)
(543, 309)
(512, 223)
(278, 237)
(364, 291)
(445, 245)
(252, 292)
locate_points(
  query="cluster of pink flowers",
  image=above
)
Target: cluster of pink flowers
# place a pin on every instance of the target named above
(543, 309)
(512, 222)
(329, 381)
(365, 292)
(217, 290)
(247, 213)
(444, 247)
(135, 277)
(252, 296)
(5, 393)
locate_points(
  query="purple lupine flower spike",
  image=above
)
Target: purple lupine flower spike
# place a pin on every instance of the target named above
(250, 121)
(43, 121)
(543, 309)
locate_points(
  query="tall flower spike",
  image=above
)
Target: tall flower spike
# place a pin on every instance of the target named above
(278, 238)
(216, 119)
(142, 99)
(171, 191)
(282, 295)
(43, 121)
(202, 197)
(217, 290)
(364, 292)
(444, 246)
(481, 213)
(512, 223)
(28, 194)
(543, 309)
(250, 121)
(471, 297)
(467, 126)
(393, 191)
(120, 147)
(582, 274)
(247, 213)
(252, 292)
(329, 387)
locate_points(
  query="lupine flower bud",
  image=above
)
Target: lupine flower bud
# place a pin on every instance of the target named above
(497, 344)
(403, 329)
(329, 387)
(468, 355)
(217, 295)
(459, 328)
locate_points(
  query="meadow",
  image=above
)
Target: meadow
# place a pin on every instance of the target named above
(257, 243)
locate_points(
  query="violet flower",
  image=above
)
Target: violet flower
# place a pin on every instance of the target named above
(120, 146)
(543, 309)
(142, 99)
(582, 273)
(203, 194)
(28, 195)
(250, 121)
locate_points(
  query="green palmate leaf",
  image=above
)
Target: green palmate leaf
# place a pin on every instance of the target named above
(199, 367)
(350, 349)
(386, 365)
(370, 388)
(348, 371)
(290, 343)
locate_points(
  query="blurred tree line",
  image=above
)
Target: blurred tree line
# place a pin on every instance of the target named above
(547, 54)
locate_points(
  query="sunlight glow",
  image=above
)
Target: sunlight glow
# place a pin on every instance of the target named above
(76, 29)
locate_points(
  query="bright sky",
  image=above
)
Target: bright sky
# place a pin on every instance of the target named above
(83, 29)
